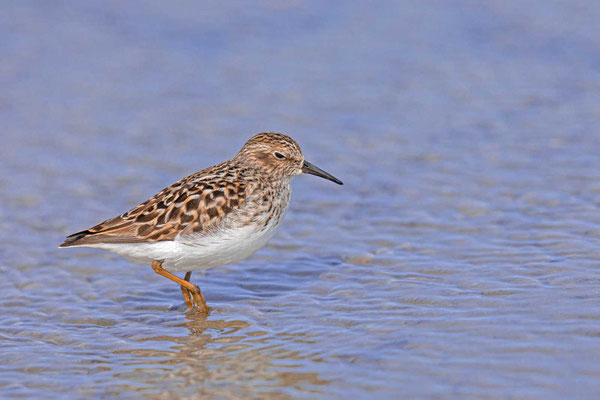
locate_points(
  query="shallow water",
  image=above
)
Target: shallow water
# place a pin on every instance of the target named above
(459, 260)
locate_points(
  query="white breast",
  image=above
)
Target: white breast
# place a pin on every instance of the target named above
(231, 243)
(227, 247)
(196, 251)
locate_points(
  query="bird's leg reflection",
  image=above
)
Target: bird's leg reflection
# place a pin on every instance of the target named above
(197, 323)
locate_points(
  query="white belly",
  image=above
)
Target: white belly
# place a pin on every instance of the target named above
(197, 252)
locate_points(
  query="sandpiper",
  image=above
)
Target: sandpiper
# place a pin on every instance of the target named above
(214, 217)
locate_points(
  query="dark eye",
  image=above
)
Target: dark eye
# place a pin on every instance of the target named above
(279, 155)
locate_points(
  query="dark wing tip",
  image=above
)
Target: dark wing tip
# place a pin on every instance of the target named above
(72, 240)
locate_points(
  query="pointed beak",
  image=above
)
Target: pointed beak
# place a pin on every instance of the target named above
(309, 168)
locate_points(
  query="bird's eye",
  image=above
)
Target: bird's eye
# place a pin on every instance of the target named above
(279, 155)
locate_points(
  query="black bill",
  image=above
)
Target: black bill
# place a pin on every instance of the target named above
(309, 168)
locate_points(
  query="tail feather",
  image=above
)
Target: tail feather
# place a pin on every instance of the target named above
(72, 240)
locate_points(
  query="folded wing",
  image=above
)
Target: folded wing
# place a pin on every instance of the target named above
(197, 204)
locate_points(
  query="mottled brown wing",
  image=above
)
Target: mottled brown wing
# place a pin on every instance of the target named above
(191, 205)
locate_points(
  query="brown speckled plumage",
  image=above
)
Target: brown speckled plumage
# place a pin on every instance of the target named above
(201, 202)
(207, 209)
(197, 203)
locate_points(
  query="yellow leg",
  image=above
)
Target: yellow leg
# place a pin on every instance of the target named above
(187, 295)
(192, 289)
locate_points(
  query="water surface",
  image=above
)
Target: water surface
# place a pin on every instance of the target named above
(459, 260)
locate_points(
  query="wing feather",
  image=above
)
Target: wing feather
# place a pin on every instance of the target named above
(198, 203)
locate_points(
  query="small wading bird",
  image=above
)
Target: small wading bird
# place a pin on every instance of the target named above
(214, 217)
